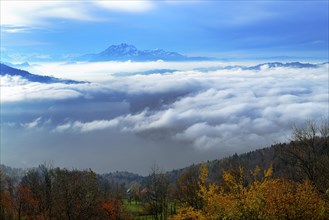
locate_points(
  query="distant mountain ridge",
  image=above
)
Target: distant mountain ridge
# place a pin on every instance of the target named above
(269, 65)
(124, 52)
(279, 64)
(18, 65)
(7, 70)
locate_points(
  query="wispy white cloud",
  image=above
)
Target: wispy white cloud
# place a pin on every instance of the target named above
(86, 127)
(14, 29)
(33, 124)
(126, 6)
(21, 16)
(35, 13)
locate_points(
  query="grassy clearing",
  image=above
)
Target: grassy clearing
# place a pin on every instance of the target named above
(133, 207)
(136, 210)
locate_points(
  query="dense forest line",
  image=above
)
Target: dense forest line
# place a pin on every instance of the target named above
(284, 181)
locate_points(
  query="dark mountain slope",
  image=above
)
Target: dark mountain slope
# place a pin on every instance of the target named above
(7, 70)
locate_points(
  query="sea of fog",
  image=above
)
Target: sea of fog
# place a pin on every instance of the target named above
(128, 115)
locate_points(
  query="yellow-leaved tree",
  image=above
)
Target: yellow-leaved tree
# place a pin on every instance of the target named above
(263, 197)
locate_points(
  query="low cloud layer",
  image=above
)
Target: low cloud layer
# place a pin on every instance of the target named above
(204, 113)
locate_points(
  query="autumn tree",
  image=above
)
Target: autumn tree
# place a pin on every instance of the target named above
(188, 213)
(157, 193)
(76, 194)
(287, 199)
(34, 195)
(188, 188)
(113, 208)
(7, 203)
(263, 198)
(45, 193)
(308, 154)
(208, 193)
(269, 198)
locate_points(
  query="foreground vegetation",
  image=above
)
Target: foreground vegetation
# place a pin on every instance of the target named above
(264, 198)
(286, 181)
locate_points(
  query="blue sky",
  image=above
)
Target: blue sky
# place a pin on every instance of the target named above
(225, 29)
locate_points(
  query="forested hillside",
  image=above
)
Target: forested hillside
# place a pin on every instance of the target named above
(288, 180)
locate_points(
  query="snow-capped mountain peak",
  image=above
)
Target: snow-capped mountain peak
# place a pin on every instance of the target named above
(121, 50)
(124, 52)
